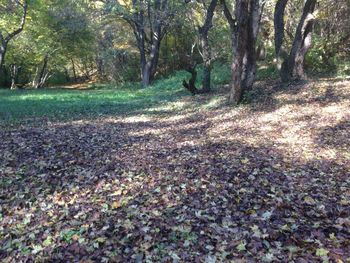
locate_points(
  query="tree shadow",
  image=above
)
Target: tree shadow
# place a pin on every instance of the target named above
(159, 189)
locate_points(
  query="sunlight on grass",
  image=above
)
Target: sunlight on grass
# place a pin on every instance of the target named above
(19, 105)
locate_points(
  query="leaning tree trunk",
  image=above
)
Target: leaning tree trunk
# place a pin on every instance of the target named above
(42, 76)
(242, 12)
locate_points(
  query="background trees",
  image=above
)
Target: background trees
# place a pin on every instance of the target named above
(57, 42)
(14, 14)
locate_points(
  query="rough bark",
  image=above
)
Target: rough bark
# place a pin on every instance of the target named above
(244, 31)
(291, 65)
(255, 11)
(242, 13)
(203, 32)
(302, 40)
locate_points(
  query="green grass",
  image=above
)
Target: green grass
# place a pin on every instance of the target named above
(58, 103)
(19, 106)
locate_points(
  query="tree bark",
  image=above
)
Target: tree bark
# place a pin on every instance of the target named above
(242, 13)
(204, 43)
(244, 31)
(2, 55)
(41, 78)
(291, 65)
(255, 11)
(302, 41)
(14, 74)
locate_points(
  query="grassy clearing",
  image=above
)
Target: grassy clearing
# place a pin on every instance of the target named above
(195, 181)
(95, 100)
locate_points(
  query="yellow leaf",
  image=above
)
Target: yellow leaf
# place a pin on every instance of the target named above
(309, 200)
(116, 193)
(245, 160)
(116, 205)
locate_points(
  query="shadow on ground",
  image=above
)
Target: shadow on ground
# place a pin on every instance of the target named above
(215, 184)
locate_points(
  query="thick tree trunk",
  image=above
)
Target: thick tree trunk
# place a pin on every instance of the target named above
(302, 41)
(292, 66)
(146, 75)
(281, 53)
(154, 55)
(204, 43)
(256, 8)
(206, 55)
(242, 16)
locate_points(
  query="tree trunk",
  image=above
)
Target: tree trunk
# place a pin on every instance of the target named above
(191, 85)
(204, 43)
(255, 12)
(281, 53)
(14, 74)
(43, 73)
(154, 55)
(241, 42)
(302, 41)
(41, 77)
(146, 75)
(3, 48)
(74, 71)
(148, 57)
(292, 65)
(206, 55)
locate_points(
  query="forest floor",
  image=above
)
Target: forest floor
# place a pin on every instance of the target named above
(186, 180)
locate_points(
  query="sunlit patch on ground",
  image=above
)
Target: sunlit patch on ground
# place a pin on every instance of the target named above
(200, 181)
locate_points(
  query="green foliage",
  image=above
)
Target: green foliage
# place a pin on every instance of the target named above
(221, 73)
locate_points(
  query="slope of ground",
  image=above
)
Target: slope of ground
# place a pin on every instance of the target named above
(192, 180)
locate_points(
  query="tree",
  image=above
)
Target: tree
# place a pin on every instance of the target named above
(292, 65)
(149, 20)
(205, 49)
(203, 32)
(10, 7)
(244, 31)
